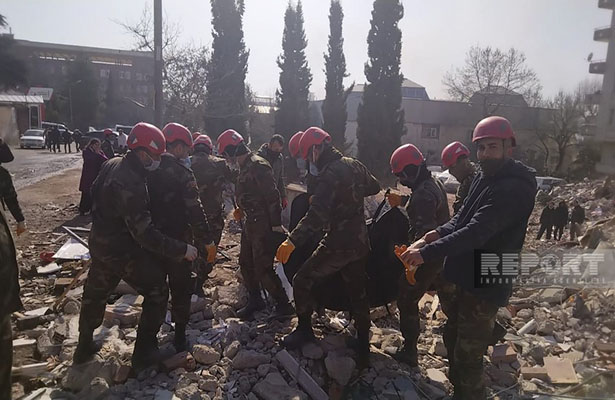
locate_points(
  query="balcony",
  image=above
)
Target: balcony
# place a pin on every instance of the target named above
(607, 4)
(603, 34)
(597, 67)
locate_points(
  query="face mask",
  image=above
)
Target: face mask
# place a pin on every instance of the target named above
(490, 166)
(186, 162)
(313, 169)
(153, 165)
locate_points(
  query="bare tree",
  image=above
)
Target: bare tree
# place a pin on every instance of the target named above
(564, 124)
(493, 73)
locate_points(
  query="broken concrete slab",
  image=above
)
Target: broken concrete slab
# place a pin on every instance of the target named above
(274, 387)
(340, 368)
(301, 376)
(312, 351)
(437, 376)
(534, 372)
(605, 347)
(250, 359)
(560, 370)
(503, 353)
(204, 354)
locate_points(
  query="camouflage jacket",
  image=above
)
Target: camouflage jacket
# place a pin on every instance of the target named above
(8, 195)
(256, 191)
(107, 148)
(428, 208)
(277, 164)
(337, 204)
(175, 205)
(211, 174)
(121, 219)
(463, 189)
(9, 284)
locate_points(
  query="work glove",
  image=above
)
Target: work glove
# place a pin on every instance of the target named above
(279, 229)
(284, 251)
(211, 252)
(238, 214)
(21, 228)
(191, 253)
(284, 203)
(410, 269)
(394, 199)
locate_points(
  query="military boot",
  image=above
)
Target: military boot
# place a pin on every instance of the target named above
(408, 356)
(146, 352)
(283, 310)
(255, 303)
(198, 286)
(179, 341)
(301, 335)
(86, 348)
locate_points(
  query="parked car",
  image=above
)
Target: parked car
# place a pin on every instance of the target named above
(32, 138)
(546, 183)
(100, 135)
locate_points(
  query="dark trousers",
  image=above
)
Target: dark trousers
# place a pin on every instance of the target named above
(85, 205)
(65, 146)
(6, 355)
(325, 262)
(544, 227)
(558, 232)
(55, 145)
(467, 334)
(143, 274)
(181, 286)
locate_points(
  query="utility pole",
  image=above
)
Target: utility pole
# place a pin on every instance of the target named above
(158, 63)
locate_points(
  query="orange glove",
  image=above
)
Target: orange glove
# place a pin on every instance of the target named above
(211, 252)
(394, 199)
(238, 214)
(21, 227)
(284, 251)
(410, 270)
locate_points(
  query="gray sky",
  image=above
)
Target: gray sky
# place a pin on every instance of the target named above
(556, 35)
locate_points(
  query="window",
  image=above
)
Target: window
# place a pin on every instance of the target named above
(139, 76)
(104, 73)
(429, 131)
(121, 74)
(127, 75)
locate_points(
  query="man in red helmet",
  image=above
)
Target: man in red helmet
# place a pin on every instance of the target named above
(177, 212)
(493, 219)
(123, 242)
(259, 205)
(211, 174)
(427, 209)
(455, 158)
(337, 204)
(272, 152)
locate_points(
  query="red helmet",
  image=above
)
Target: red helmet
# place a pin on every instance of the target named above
(195, 135)
(405, 155)
(493, 127)
(293, 144)
(451, 153)
(147, 136)
(204, 139)
(228, 138)
(108, 132)
(311, 137)
(174, 132)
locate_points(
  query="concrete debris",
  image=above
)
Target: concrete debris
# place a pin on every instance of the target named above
(204, 354)
(340, 368)
(250, 359)
(274, 387)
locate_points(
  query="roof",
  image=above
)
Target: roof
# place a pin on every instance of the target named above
(84, 49)
(406, 84)
(20, 99)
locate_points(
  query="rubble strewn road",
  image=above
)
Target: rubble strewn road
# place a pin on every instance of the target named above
(558, 340)
(31, 166)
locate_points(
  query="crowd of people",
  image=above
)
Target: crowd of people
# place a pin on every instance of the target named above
(554, 218)
(54, 138)
(157, 219)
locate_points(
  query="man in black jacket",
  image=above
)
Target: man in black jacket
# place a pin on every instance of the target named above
(492, 219)
(577, 217)
(547, 218)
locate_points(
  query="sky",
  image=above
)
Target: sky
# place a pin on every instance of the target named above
(555, 35)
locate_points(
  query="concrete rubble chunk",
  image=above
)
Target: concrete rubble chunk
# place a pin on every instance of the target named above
(274, 387)
(308, 383)
(250, 359)
(180, 360)
(204, 354)
(312, 351)
(534, 372)
(340, 368)
(232, 349)
(503, 353)
(560, 370)
(437, 376)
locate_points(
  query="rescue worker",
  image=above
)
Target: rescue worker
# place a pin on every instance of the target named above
(258, 201)
(107, 144)
(211, 175)
(338, 202)
(177, 212)
(272, 152)
(455, 158)
(493, 219)
(8, 194)
(427, 209)
(123, 244)
(9, 303)
(293, 149)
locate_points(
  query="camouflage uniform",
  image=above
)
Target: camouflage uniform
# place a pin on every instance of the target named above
(8, 195)
(463, 189)
(9, 302)
(337, 208)
(427, 209)
(211, 174)
(177, 212)
(122, 242)
(277, 165)
(259, 199)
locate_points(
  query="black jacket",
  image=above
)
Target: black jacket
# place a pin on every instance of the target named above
(493, 218)
(560, 216)
(577, 215)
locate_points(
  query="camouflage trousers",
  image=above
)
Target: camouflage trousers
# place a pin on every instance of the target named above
(467, 334)
(216, 225)
(6, 355)
(181, 285)
(408, 301)
(256, 261)
(143, 273)
(325, 262)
